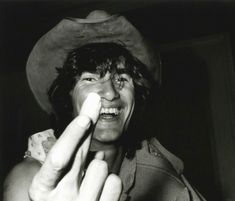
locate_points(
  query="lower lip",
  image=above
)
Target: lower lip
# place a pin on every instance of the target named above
(108, 118)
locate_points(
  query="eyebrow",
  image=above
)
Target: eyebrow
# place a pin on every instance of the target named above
(122, 71)
(117, 70)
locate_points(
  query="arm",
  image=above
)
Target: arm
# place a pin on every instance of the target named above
(19, 180)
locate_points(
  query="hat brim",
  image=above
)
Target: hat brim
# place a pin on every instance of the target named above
(52, 49)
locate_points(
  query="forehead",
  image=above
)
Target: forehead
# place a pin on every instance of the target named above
(101, 57)
(113, 65)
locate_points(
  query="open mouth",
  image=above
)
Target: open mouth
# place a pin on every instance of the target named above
(109, 113)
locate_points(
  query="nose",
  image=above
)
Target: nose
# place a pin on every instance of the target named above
(108, 90)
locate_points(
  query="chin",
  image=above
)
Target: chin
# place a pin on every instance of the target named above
(107, 136)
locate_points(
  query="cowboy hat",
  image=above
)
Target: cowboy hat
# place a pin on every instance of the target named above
(52, 48)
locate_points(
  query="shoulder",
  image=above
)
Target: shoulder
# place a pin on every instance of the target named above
(176, 162)
(154, 160)
(154, 153)
(159, 170)
(158, 166)
(19, 179)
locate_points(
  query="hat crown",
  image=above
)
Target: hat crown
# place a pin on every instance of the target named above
(98, 14)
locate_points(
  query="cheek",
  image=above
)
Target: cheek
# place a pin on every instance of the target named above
(131, 94)
(131, 103)
(129, 97)
(79, 94)
(78, 98)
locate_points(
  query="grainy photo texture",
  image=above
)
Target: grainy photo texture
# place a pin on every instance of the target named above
(108, 101)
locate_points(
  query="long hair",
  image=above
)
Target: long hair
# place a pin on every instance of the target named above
(99, 58)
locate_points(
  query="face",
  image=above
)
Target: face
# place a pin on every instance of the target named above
(117, 97)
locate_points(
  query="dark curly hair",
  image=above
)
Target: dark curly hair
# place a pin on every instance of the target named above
(99, 58)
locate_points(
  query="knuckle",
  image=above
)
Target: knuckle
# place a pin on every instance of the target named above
(55, 161)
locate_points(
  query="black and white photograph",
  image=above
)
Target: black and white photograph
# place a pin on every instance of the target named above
(117, 100)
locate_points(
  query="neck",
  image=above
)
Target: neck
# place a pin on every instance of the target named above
(113, 154)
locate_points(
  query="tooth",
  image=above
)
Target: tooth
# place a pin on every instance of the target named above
(109, 111)
(116, 112)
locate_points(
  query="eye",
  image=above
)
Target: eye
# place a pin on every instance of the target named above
(123, 78)
(89, 77)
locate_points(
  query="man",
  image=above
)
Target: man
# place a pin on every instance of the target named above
(93, 76)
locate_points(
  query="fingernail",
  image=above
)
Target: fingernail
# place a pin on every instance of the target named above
(91, 107)
(84, 121)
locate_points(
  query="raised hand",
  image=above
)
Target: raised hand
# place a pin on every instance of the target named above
(54, 182)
